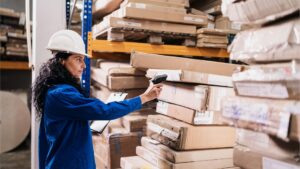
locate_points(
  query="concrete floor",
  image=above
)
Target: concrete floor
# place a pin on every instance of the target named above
(18, 158)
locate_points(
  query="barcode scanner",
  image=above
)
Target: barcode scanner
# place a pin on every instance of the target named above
(159, 78)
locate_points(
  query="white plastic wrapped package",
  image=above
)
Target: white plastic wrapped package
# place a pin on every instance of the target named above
(273, 43)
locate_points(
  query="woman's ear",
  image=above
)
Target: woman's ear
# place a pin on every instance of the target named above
(63, 62)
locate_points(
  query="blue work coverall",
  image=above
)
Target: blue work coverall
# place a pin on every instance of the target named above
(65, 139)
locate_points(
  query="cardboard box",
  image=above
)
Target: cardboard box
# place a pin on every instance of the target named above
(135, 162)
(209, 31)
(157, 5)
(259, 45)
(102, 93)
(177, 93)
(102, 8)
(165, 14)
(198, 12)
(119, 68)
(115, 146)
(225, 23)
(267, 145)
(154, 61)
(134, 123)
(276, 117)
(186, 3)
(247, 159)
(278, 81)
(192, 77)
(183, 136)
(163, 163)
(211, 45)
(118, 82)
(185, 156)
(189, 115)
(259, 11)
(153, 26)
(212, 39)
(164, 3)
(200, 96)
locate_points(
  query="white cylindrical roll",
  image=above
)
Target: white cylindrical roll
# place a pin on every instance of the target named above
(14, 121)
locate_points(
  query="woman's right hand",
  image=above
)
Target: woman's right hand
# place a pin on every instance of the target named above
(151, 93)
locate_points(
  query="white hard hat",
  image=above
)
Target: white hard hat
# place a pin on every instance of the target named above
(67, 41)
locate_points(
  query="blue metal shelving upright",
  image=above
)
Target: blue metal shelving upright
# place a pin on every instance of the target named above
(86, 27)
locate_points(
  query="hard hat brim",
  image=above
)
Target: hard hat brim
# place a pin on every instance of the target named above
(61, 50)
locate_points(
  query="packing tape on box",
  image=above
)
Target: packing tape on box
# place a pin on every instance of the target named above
(163, 131)
(162, 107)
(205, 117)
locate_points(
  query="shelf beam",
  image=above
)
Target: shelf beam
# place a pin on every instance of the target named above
(127, 47)
(13, 65)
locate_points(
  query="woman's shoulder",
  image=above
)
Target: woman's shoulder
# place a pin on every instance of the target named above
(61, 89)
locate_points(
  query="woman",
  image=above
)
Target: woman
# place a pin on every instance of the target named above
(65, 139)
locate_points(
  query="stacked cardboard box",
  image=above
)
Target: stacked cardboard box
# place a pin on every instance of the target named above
(267, 105)
(108, 150)
(119, 76)
(121, 137)
(13, 45)
(189, 133)
(217, 21)
(157, 21)
(215, 38)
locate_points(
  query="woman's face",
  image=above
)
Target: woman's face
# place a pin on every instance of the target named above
(75, 65)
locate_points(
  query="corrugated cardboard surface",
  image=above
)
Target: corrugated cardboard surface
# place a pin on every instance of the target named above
(165, 3)
(154, 61)
(135, 162)
(211, 45)
(119, 68)
(154, 6)
(247, 159)
(182, 136)
(186, 3)
(189, 115)
(178, 93)
(225, 23)
(201, 97)
(257, 45)
(191, 77)
(115, 146)
(279, 81)
(134, 123)
(265, 144)
(153, 26)
(209, 31)
(185, 156)
(163, 163)
(265, 115)
(104, 7)
(144, 11)
(118, 82)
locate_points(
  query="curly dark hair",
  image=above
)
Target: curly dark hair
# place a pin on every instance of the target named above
(52, 73)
